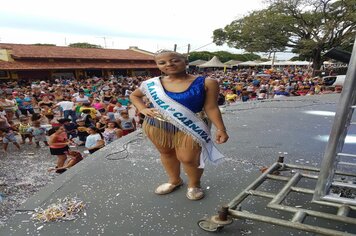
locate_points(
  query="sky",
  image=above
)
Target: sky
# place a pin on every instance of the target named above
(150, 25)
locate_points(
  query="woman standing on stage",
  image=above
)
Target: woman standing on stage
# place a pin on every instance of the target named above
(177, 122)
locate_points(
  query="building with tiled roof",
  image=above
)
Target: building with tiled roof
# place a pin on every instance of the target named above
(20, 61)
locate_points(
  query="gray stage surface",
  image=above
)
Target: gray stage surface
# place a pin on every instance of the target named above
(118, 189)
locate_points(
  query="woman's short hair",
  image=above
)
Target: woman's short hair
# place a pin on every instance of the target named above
(164, 51)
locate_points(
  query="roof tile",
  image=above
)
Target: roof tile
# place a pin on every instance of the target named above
(34, 51)
(36, 65)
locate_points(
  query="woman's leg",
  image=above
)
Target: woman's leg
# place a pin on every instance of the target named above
(170, 163)
(17, 145)
(190, 159)
(61, 160)
(168, 156)
(29, 136)
(4, 146)
(23, 138)
(189, 156)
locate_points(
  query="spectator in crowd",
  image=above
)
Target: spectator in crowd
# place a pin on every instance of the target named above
(67, 107)
(111, 132)
(82, 131)
(80, 97)
(25, 104)
(99, 105)
(70, 128)
(59, 145)
(126, 124)
(102, 123)
(107, 97)
(281, 93)
(46, 102)
(245, 95)
(9, 106)
(39, 117)
(95, 140)
(23, 128)
(38, 133)
(4, 124)
(88, 109)
(124, 101)
(231, 97)
(8, 136)
(74, 156)
(110, 109)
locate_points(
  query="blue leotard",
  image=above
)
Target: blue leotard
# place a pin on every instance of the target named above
(193, 98)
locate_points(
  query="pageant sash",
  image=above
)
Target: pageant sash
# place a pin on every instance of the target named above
(184, 119)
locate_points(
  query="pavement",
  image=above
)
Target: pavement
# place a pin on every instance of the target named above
(118, 181)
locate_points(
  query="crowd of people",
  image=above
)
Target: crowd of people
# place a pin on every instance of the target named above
(66, 113)
(94, 112)
(251, 84)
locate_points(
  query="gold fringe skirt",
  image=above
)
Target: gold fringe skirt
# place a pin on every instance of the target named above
(166, 135)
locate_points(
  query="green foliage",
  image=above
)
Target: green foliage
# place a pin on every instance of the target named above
(223, 56)
(44, 44)
(84, 45)
(261, 31)
(309, 27)
(203, 55)
(251, 57)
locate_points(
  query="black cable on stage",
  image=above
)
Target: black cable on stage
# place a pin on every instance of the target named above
(124, 149)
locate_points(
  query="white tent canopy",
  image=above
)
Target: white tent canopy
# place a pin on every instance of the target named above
(249, 63)
(276, 63)
(266, 63)
(214, 62)
(286, 63)
(302, 63)
(197, 62)
(232, 62)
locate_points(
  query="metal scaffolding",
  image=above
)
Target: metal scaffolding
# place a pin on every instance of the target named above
(331, 182)
(334, 156)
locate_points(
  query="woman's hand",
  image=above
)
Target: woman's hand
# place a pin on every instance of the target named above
(221, 136)
(71, 142)
(150, 112)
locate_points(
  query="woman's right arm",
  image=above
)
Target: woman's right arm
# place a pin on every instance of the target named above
(136, 99)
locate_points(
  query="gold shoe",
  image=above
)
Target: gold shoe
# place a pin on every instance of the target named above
(195, 194)
(167, 188)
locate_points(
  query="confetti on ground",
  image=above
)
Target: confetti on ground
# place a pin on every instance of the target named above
(62, 210)
(30, 176)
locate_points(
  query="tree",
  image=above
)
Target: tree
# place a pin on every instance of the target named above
(203, 55)
(223, 56)
(261, 31)
(44, 44)
(309, 27)
(84, 45)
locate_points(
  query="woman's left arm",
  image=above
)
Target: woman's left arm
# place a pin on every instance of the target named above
(99, 144)
(212, 110)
